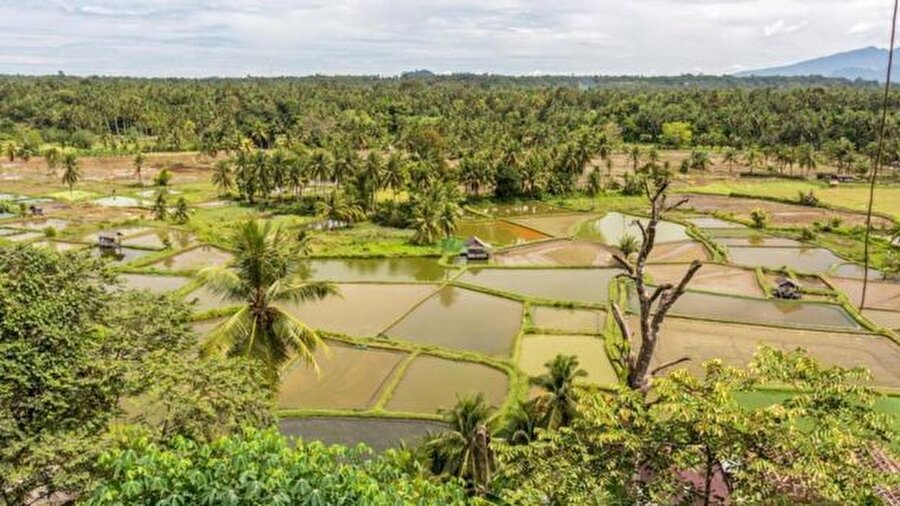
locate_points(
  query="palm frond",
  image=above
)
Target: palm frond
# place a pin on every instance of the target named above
(224, 282)
(228, 333)
(294, 336)
(298, 291)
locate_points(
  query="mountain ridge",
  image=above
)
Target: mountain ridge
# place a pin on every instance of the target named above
(867, 63)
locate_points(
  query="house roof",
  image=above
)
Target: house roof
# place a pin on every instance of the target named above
(475, 241)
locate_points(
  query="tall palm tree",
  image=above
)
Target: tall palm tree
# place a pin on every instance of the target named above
(395, 174)
(729, 157)
(222, 177)
(71, 171)
(559, 405)
(52, 156)
(263, 279)
(138, 161)
(464, 450)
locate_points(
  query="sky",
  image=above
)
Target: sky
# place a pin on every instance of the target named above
(386, 37)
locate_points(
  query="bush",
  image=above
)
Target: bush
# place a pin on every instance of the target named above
(262, 467)
(808, 199)
(807, 234)
(759, 217)
(633, 185)
(163, 178)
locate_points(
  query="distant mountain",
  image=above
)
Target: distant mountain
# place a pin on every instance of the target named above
(869, 63)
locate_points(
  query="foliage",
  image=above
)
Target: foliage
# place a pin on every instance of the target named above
(182, 213)
(692, 433)
(71, 170)
(676, 134)
(558, 404)
(160, 206)
(628, 244)
(72, 351)
(163, 178)
(464, 450)
(264, 279)
(759, 218)
(808, 199)
(262, 467)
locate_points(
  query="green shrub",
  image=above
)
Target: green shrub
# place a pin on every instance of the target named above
(759, 217)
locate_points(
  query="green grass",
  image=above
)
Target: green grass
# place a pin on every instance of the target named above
(888, 404)
(72, 196)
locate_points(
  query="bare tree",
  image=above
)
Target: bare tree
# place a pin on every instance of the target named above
(653, 306)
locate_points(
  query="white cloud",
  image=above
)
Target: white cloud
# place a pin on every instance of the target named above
(780, 27)
(298, 37)
(860, 28)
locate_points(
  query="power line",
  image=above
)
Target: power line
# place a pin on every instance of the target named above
(879, 156)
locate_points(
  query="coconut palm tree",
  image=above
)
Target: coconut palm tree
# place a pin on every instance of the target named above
(222, 177)
(395, 174)
(262, 280)
(522, 424)
(559, 405)
(71, 171)
(464, 450)
(52, 156)
(729, 157)
(138, 161)
(182, 212)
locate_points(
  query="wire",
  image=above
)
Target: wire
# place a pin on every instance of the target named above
(879, 156)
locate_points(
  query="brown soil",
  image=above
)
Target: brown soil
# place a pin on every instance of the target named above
(710, 277)
(780, 214)
(561, 252)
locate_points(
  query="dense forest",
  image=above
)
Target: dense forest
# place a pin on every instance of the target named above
(470, 113)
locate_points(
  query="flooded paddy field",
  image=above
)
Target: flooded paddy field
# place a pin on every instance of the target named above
(462, 319)
(195, 259)
(681, 251)
(431, 384)
(560, 252)
(570, 320)
(58, 246)
(736, 344)
(204, 299)
(161, 238)
(376, 433)
(498, 233)
(154, 283)
(396, 270)
(537, 350)
(510, 210)
(812, 260)
(879, 295)
(887, 319)
(361, 309)
(40, 223)
(782, 214)
(760, 241)
(576, 285)
(349, 378)
(711, 277)
(786, 313)
(120, 255)
(563, 225)
(611, 228)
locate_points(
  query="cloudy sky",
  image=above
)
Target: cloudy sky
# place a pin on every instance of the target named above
(299, 37)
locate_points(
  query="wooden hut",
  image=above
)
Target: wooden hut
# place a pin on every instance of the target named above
(476, 249)
(787, 288)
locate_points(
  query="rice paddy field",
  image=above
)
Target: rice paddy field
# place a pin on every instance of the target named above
(413, 328)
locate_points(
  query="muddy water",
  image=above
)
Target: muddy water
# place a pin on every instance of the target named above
(611, 228)
(560, 252)
(120, 202)
(431, 384)
(578, 285)
(375, 269)
(195, 259)
(572, 320)
(812, 260)
(764, 241)
(682, 251)
(58, 246)
(736, 344)
(41, 223)
(203, 299)
(709, 222)
(350, 378)
(854, 271)
(768, 311)
(879, 295)
(462, 319)
(537, 350)
(564, 225)
(497, 233)
(361, 309)
(157, 239)
(122, 255)
(156, 284)
(710, 277)
(887, 319)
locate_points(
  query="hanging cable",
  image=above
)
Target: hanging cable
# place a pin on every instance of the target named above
(878, 156)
